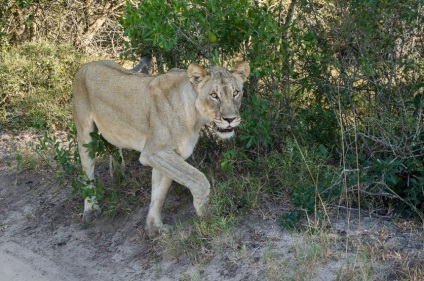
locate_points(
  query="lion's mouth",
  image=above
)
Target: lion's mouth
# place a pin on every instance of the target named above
(229, 129)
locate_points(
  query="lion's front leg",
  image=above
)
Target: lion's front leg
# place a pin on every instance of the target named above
(160, 188)
(173, 166)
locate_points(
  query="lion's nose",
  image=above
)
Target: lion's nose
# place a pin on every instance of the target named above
(229, 120)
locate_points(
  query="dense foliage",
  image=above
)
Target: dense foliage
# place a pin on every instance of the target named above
(335, 100)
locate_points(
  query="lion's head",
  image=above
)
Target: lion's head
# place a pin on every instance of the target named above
(220, 93)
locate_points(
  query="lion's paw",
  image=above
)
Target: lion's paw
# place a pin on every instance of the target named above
(200, 205)
(154, 228)
(91, 215)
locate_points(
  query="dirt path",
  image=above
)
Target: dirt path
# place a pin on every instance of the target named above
(41, 231)
(20, 263)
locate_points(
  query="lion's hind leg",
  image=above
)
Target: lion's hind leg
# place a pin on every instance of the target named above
(116, 166)
(91, 208)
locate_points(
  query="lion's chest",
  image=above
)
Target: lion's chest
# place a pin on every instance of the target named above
(187, 144)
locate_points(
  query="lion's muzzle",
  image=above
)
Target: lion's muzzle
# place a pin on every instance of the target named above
(225, 127)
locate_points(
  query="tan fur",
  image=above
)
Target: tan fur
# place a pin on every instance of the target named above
(159, 116)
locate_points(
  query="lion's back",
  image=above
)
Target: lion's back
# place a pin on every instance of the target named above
(123, 103)
(109, 74)
(106, 69)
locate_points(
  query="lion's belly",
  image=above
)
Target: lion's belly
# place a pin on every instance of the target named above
(186, 146)
(121, 135)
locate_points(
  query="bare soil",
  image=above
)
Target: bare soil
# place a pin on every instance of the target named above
(42, 237)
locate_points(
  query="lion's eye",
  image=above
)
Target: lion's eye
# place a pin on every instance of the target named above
(236, 94)
(214, 96)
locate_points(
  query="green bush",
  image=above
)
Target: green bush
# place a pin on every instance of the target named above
(63, 152)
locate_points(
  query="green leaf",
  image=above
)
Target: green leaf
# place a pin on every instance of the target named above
(212, 37)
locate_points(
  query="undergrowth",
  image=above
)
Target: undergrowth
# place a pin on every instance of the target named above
(61, 156)
(35, 83)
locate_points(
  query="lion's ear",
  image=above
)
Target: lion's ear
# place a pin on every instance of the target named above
(242, 69)
(196, 73)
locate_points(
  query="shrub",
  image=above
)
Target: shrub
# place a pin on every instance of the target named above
(36, 81)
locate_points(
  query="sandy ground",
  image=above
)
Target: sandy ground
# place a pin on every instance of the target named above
(20, 263)
(42, 238)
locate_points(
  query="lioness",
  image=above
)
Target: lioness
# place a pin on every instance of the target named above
(159, 116)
